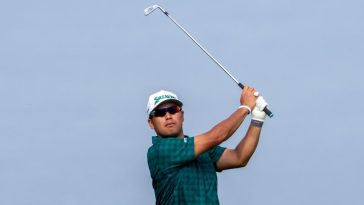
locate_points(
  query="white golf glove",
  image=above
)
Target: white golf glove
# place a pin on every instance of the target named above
(258, 113)
(260, 103)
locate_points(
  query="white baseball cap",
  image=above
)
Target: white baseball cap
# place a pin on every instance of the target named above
(160, 97)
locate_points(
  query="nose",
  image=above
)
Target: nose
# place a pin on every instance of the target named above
(168, 115)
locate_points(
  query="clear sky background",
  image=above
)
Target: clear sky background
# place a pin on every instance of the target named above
(75, 77)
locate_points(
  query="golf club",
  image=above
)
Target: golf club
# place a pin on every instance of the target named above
(152, 8)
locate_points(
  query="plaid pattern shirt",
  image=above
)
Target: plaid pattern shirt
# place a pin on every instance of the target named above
(180, 178)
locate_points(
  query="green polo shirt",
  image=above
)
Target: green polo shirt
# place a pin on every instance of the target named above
(180, 178)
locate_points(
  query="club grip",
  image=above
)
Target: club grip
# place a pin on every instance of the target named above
(241, 85)
(266, 109)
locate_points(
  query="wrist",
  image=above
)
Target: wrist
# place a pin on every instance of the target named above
(256, 123)
(245, 107)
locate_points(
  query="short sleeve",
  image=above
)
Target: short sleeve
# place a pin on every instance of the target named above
(216, 152)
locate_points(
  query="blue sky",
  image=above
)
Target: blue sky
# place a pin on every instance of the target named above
(75, 77)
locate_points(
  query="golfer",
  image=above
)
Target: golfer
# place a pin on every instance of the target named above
(183, 168)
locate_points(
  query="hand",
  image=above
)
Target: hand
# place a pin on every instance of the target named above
(248, 98)
(258, 113)
(260, 103)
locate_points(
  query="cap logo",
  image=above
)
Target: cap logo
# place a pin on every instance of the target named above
(159, 98)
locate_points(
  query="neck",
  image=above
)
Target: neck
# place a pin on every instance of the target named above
(180, 136)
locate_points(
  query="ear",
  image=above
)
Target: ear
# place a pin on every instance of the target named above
(150, 123)
(183, 115)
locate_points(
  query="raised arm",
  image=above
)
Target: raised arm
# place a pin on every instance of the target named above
(223, 130)
(240, 156)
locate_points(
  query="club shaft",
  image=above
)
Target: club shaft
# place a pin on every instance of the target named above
(199, 45)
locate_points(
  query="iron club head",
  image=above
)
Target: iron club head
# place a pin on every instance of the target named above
(150, 9)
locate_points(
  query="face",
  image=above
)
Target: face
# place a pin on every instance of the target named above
(168, 125)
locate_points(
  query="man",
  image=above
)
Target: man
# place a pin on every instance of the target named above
(183, 168)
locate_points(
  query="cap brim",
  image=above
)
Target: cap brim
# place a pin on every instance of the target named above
(177, 102)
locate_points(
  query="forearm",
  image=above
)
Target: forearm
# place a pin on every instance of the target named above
(246, 148)
(227, 127)
(219, 132)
